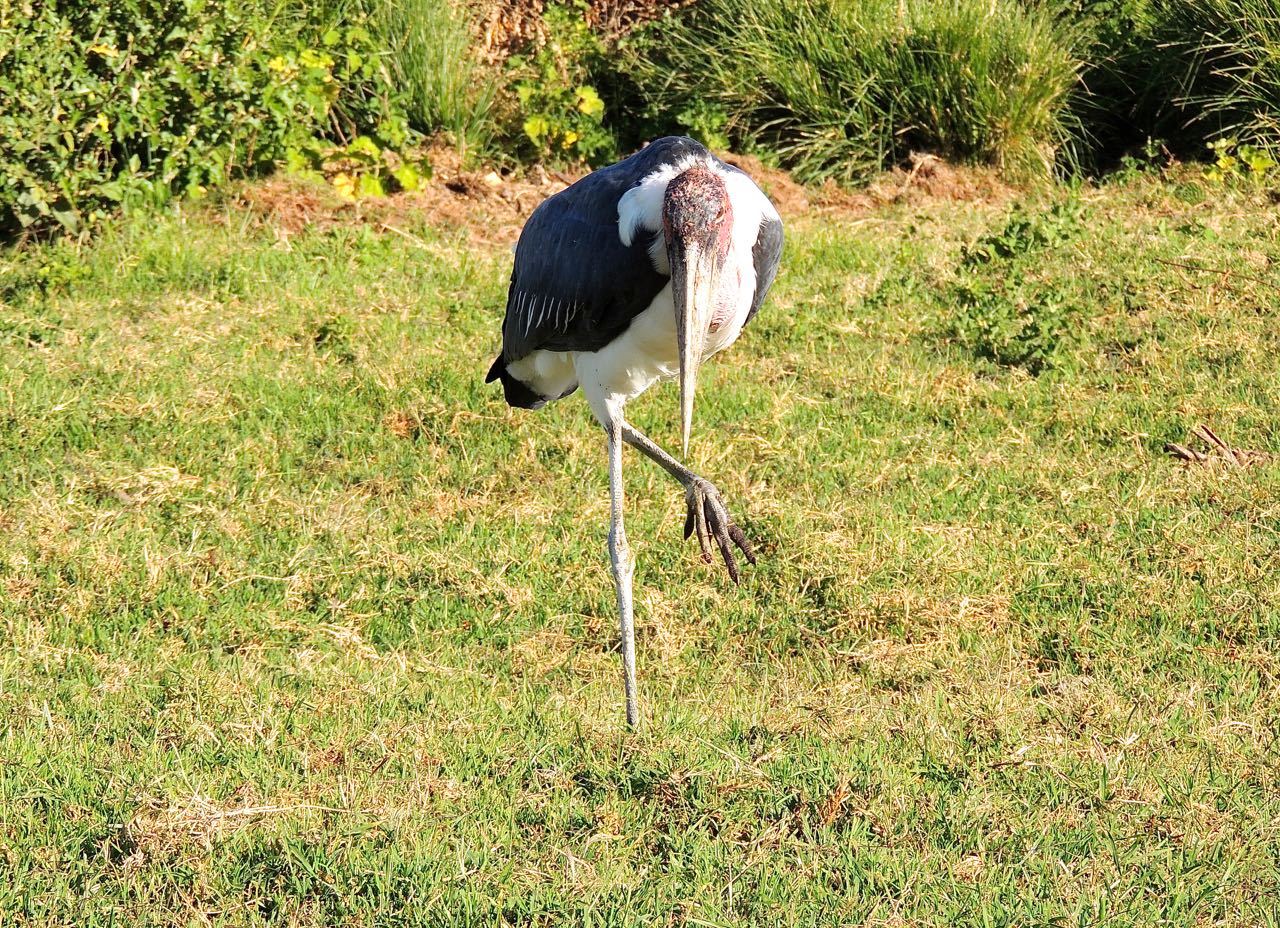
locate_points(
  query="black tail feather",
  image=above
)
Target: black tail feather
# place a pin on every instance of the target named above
(515, 392)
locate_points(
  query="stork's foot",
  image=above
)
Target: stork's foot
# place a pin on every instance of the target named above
(709, 518)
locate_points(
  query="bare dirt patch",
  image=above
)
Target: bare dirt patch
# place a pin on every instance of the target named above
(922, 179)
(487, 205)
(491, 207)
(928, 177)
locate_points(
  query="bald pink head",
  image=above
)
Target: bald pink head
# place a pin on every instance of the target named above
(696, 208)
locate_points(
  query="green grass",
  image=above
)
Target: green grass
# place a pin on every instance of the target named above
(446, 88)
(1180, 73)
(845, 88)
(301, 626)
(1232, 86)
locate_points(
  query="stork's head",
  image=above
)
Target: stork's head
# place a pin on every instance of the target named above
(696, 221)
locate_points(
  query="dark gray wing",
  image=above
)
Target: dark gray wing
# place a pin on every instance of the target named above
(766, 252)
(575, 286)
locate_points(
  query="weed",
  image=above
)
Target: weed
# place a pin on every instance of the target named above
(563, 117)
(1235, 161)
(1005, 315)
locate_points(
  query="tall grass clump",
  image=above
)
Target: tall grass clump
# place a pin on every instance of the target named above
(447, 87)
(1129, 79)
(1232, 54)
(841, 88)
(1180, 72)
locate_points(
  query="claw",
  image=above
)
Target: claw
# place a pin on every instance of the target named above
(700, 523)
(740, 539)
(716, 520)
(710, 520)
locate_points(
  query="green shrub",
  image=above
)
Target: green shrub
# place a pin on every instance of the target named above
(842, 88)
(446, 87)
(561, 114)
(126, 102)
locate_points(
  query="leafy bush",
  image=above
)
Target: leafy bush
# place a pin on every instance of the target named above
(842, 88)
(130, 101)
(360, 168)
(561, 114)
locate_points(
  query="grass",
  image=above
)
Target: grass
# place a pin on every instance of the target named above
(447, 89)
(843, 90)
(1232, 87)
(302, 626)
(1176, 74)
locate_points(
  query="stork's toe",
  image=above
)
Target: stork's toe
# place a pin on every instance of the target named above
(709, 518)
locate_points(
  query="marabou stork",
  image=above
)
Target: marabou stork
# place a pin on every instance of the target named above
(638, 273)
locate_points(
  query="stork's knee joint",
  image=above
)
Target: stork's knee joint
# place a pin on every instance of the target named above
(619, 550)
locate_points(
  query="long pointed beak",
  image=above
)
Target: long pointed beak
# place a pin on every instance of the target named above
(695, 276)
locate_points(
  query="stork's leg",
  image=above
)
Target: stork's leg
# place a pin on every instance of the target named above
(707, 514)
(623, 570)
